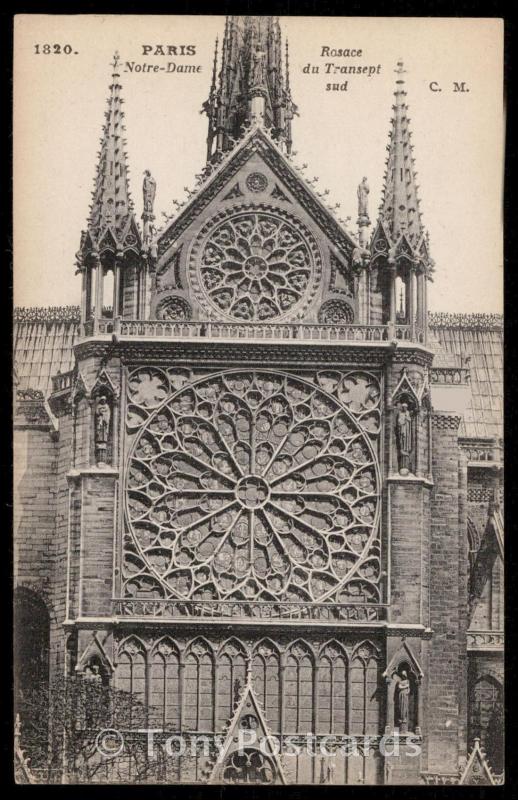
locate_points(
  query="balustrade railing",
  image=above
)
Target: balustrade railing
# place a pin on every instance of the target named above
(242, 609)
(62, 381)
(183, 329)
(449, 375)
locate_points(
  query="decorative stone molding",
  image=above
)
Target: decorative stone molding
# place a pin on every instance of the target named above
(485, 640)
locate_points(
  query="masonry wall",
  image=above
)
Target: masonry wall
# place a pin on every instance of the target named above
(445, 667)
(34, 509)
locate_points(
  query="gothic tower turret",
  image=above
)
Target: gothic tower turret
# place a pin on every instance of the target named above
(112, 241)
(399, 245)
(251, 88)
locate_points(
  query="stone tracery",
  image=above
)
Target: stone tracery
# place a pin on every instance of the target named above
(256, 266)
(250, 485)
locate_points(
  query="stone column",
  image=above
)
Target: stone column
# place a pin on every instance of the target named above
(99, 280)
(420, 301)
(84, 294)
(392, 297)
(411, 302)
(117, 286)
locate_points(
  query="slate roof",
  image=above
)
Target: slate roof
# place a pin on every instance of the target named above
(44, 339)
(479, 338)
(43, 344)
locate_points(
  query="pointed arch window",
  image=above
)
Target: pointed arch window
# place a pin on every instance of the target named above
(266, 682)
(298, 686)
(332, 690)
(365, 701)
(232, 665)
(130, 675)
(199, 688)
(165, 685)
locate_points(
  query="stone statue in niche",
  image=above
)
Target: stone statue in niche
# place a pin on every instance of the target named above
(258, 69)
(149, 191)
(363, 194)
(102, 427)
(402, 702)
(92, 674)
(404, 438)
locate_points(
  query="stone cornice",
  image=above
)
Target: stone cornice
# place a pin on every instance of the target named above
(305, 352)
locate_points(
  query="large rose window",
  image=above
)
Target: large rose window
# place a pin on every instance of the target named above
(255, 485)
(256, 266)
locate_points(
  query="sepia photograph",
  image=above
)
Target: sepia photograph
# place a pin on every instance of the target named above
(258, 400)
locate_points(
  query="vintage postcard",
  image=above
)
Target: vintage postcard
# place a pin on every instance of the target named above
(258, 400)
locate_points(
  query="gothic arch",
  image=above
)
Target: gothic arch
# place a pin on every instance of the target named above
(364, 688)
(366, 650)
(131, 641)
(333, 643)
(233, 641)
(266, 680)
(299, 683)
(164, 683)
(202, 642)
(131, 669)
(199, 686)
(333, 694)
(232, 671)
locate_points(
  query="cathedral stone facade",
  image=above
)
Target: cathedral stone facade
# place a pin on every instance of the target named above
(258, 485)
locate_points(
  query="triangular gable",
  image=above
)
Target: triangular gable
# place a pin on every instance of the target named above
(103, 382)
(95, 649)
(257, 141)
(477, 771)
(404, 248)
(248, 732)
(403, 653)
(380, 242)
(131, 237)
(80, 389)
(405, 387)
(108, 240)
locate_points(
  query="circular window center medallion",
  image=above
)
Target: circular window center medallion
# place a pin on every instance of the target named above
(252, 492)
(255, 266)
(257, 182)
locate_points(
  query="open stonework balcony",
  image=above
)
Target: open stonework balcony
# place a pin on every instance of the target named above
(230, 331)
(250, 611)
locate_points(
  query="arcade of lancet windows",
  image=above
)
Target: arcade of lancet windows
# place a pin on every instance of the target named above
(324, 688)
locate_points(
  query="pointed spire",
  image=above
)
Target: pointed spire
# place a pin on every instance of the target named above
(400, 204)
(112, 207)
(251, 84)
